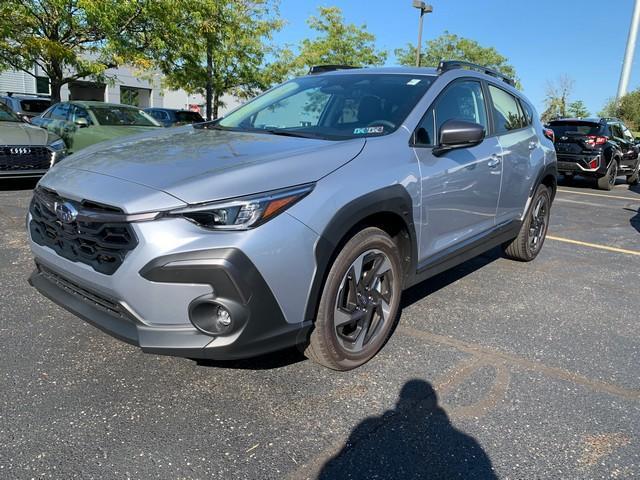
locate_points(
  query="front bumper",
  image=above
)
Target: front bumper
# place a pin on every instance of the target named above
(259, 326)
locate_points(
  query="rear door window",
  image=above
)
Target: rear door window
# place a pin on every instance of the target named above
(506, 111)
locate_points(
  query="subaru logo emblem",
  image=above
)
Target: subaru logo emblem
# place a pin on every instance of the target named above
(66, 212)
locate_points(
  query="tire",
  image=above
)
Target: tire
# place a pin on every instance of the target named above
(634, 178)
(357, 311)
(609, 180)
(527, 245)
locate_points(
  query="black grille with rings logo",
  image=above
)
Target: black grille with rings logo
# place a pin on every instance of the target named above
(56, 223)
(19, 158)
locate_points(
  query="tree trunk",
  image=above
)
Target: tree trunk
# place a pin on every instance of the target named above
(216, 105)
(55, 85)
(209, 85)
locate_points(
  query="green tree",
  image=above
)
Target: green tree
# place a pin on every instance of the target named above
(449, 46)
(222, 47)
(578, 109)
(556, 98)
(72, 39)
(336, 42)
(627, 109)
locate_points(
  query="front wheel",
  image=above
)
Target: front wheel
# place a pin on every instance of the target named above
(526, 246)
(359, 302)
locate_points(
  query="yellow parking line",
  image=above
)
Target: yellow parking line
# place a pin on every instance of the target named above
(594, 245)
(599, 195)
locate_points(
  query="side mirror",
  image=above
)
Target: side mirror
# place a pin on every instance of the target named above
(458, 134)
(81, 122)
(24, 118)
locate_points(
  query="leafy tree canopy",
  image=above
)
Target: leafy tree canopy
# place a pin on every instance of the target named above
(336, 42)
(72, 39)
(578, 109)
(449, 46)
(626, 109)
(221, 47)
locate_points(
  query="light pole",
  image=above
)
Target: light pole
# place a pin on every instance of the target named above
(630, 50)
(424, 8)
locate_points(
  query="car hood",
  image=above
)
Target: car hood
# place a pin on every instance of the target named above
(18, 133)
(200, 165)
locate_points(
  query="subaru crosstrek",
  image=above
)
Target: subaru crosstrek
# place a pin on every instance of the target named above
(299, 218)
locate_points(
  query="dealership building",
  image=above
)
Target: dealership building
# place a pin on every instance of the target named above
(124, 87)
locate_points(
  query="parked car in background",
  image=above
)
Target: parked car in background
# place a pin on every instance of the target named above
(25, 150)
(601, 148)
(170, 117)
(83, 123)
(300, 217)
(24, 105)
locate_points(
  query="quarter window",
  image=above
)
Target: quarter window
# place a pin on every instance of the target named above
(506, 112)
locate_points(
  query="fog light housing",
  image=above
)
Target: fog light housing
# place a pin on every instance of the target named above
(216, 316)
(223, 316)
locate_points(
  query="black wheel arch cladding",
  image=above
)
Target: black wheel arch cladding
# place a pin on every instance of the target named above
(392, 200)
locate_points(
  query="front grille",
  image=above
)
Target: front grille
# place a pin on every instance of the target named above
(101, 302)
(101, 245)
(20, 158)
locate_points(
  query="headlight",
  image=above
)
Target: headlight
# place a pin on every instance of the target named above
(58, 151)
(57, 145)
(244, 212)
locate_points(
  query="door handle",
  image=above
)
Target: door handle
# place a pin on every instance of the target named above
(494, 161)
(533, 145)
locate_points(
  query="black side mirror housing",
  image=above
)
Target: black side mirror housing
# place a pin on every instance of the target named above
(458, 134)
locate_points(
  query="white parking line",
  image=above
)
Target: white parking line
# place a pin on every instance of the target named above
(630, 199)
(594, 245)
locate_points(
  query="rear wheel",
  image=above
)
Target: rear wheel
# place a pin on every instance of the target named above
(359, 302)
(609, 180)
(526, 246)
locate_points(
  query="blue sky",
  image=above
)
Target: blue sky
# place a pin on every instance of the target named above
(584, 39)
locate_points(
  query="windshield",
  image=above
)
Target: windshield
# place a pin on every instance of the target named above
(119, 116)
(7, 115)
(562, 129)
(34, 106)
(333, 106)
(188, 117)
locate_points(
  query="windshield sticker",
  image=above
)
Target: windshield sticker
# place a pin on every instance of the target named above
(414, 81)
(367, 130)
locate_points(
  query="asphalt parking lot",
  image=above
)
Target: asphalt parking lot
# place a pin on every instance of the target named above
(497, 369)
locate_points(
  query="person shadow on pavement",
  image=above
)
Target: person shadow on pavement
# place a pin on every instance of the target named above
(413, 441)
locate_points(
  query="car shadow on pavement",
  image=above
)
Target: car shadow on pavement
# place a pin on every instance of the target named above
(432, 285)
(269, 361)
(414, 440)
(15, 184)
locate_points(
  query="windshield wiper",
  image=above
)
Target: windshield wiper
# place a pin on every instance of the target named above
(287, 133)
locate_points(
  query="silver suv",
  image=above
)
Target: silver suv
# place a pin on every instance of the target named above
(299, 218)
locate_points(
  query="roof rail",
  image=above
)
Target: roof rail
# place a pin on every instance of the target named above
(11, 94)
(329, 68)
(445, 66)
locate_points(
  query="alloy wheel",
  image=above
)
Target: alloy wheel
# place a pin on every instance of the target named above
(363, 303)
(538, 225)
